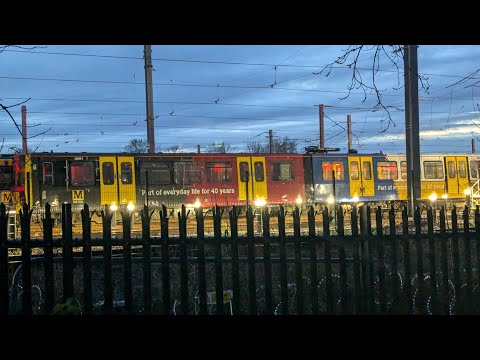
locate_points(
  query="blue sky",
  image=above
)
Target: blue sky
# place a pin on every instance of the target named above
(234, 94)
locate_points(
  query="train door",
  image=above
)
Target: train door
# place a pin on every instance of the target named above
(117, 180)
(457, 176)
(255, 167)
(361, 176)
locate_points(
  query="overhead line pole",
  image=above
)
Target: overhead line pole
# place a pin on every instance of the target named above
(412, 130)
(149, 98)
(349, 131)
(322, 126)
(270, 140)
(24, 130)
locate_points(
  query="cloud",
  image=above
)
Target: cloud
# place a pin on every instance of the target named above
(110, 114)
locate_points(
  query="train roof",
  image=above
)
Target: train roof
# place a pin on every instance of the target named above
(160, 154)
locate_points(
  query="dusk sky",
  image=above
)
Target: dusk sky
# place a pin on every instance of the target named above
(93, 97)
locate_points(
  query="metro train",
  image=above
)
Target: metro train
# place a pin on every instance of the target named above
(128, 181)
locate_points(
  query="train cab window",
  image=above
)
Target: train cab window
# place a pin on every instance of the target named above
(82, 173)
(367, 170)
(354, 174)
(473, 169)
(47, 173)
(258, 169)
(387, 170)
(462, 169)
(243, 171)
(6, 177)
(158, 173)
(403, 169)
(108, 173)
(433, 170)
(337, 167)
(126, 173)
(219, 172)
(451, 169)
(282, 171)
(185, 173)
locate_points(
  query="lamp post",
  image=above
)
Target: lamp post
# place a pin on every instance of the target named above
(445, 197)
(260, 203)
(467, 193)
(332, 206)
(433, 203)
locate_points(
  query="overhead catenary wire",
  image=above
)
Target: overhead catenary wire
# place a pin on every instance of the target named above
(218, 62)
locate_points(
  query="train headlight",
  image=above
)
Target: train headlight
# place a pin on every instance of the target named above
(130, 207)
(330, 199)
(113, 207)
(445, 196)
(299, 200)
(467, 192)
(433, 197)
(355, 199)
(260, 202)
(197, 203)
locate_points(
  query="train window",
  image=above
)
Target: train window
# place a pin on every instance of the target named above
(403, 169)
(193, 172)
(473, 169)
(354, 174)
(185, 173)
(462, 169)
(258, 168)
(82, 173)
(219, 172)
(158, 173)
(60, 173)
(387, 170)
(6, 173)
(327, 170)
(433, 169)
(126, 172)
(337, 167)
(47, 173)
(282, 171)
(367, 170)
(243, 171)
(451, 169)
(108, 173)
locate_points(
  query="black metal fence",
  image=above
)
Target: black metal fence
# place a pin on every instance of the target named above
(389, 271)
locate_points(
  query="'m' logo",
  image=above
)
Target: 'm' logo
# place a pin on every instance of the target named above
(6, 197)
(78, 196)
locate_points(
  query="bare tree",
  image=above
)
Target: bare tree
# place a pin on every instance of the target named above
(221, 148)
(173, 149)
(351, 58)
(279, 146)
(284, 146)
(255, 147)
(136, 146)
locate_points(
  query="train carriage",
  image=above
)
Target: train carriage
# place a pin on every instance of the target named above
(380, 177)
(128, 181)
